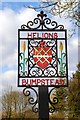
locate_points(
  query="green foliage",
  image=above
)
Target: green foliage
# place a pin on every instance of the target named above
(69, 98)
(74, 94)
(61, 94)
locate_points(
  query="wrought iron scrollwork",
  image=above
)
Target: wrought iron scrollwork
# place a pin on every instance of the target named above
(52, 100)
(45, 51)
(51, 69)
(32, 100)
(41, 22)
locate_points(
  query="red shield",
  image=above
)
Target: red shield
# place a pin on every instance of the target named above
(42, 56)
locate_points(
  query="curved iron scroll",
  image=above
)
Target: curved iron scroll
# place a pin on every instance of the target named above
(49, 71)
(52, 100)
(32, 100)
(41, 22)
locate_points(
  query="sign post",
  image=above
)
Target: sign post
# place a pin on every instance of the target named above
(42, 61)
(43, 103)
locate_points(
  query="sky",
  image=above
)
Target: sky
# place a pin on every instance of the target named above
(12, 16)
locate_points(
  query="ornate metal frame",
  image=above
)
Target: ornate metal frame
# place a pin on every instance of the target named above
(42, 23)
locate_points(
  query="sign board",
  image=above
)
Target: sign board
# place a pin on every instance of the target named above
(42, 57)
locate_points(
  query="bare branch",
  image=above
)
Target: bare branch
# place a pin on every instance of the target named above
(49, 5)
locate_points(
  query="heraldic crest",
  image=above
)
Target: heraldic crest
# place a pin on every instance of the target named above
(42, 55)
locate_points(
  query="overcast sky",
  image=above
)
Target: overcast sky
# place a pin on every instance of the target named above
(12, 16)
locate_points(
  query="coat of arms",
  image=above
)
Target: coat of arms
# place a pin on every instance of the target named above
(42, 55)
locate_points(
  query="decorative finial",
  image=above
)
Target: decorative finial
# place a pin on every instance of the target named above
(41, 15)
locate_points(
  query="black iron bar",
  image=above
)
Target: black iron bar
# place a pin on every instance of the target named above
(43, 103)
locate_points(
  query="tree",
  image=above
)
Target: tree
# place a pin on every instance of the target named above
(7, 104)
(14, 104)
(74, 94)
(63, 8)
(62, 97)
(69, 98)
(61, 106)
